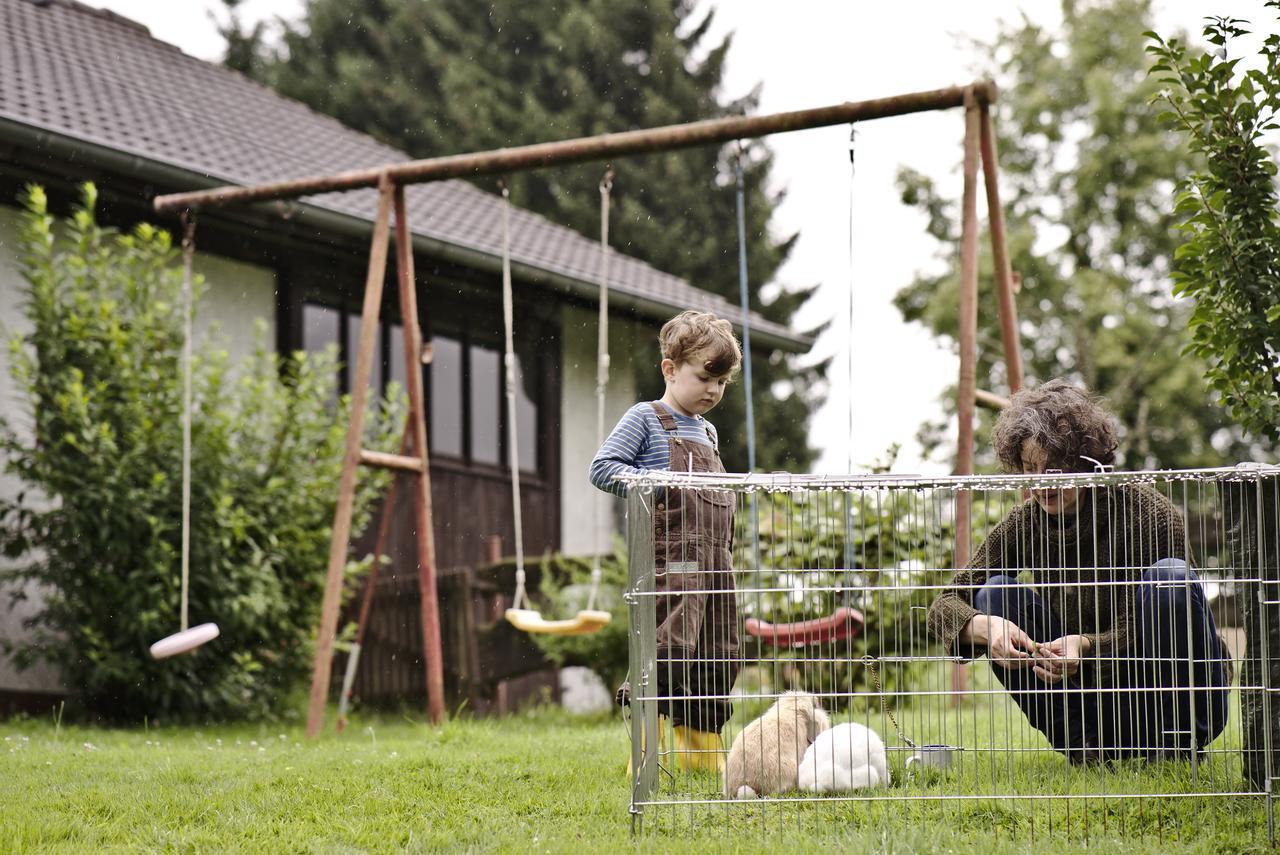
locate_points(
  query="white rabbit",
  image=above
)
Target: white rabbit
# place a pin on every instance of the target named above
(846, 757)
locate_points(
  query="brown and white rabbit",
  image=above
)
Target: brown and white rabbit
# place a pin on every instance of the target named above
(765, 758)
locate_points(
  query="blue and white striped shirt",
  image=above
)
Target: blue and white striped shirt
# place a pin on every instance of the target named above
(639, 444)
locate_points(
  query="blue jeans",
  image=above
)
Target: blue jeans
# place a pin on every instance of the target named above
(1169, 692)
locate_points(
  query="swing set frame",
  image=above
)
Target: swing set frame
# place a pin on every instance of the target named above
(391, 179)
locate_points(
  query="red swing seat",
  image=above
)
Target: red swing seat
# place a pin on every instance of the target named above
(841, 624)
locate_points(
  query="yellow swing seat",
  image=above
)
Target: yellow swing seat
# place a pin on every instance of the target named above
(585, 622)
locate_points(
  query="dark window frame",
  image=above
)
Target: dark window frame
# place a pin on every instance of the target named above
(466, 312)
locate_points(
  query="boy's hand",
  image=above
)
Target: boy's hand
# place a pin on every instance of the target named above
(1060, 658)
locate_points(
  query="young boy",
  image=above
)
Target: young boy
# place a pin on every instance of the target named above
(697, 616)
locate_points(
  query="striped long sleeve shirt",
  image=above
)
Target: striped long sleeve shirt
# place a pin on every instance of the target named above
(639, 444)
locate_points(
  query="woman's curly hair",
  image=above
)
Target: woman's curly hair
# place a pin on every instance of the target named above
(1064, 420)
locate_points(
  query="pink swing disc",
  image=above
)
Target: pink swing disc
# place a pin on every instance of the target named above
(185, 641)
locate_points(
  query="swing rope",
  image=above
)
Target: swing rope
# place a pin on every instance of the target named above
(853, 132)
(509, 362)
(846, 622)
(521, 615)
(746, 310)
(187, 638)
(602, 373)
(188, 252)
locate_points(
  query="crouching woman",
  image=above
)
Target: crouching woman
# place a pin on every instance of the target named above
(1110, 650)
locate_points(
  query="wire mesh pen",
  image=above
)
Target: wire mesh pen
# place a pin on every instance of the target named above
(847, 589)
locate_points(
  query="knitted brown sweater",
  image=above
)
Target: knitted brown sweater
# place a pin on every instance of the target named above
(1116, 534)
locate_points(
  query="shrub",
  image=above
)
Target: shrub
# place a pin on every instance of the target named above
(874, 551)
(1229, 262)
(879, 550)
(100, 371)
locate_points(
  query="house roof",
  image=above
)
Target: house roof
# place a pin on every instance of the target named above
(100, 80)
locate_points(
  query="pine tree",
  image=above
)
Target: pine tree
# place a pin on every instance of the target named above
(447, 76)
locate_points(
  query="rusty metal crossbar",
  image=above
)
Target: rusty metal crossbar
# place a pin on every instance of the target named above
(604, 147)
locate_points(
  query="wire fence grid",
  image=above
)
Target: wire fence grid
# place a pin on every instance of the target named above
(815, 640)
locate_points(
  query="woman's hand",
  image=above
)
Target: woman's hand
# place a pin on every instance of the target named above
(1060, 658)
(1006, 643)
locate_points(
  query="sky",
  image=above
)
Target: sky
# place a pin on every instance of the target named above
(815, 54)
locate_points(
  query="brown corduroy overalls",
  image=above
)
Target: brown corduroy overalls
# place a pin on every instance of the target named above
(697, 611)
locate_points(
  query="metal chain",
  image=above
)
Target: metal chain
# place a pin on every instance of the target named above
(871, 664)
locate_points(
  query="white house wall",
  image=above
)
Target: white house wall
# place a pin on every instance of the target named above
(237, 295)
(578, 532)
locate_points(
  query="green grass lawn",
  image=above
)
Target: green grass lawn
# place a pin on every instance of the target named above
(544, 781)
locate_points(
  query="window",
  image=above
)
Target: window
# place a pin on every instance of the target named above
(320, 327)
(395, 354)
(465, 392)
(446, 408)
(486, 405)
(353, 351)
(526, 419)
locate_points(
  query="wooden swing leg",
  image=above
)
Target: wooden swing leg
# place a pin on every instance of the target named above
(968, 336)
(1000, 253)
(350, 463)
(366, 601)
(425, 535)
(968, 324)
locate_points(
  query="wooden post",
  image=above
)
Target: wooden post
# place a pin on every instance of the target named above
(1000, 255)
(968, 334)
(371, 584)
(968, 337)
(384, 531)
(350, 463)
(425, 536)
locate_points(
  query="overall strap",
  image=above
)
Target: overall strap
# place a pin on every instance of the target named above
(664, 416)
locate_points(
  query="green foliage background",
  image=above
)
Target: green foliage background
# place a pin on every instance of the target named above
(1229, 260)
(1229, 264)
(898, 542)
(448, 76)
(98, 529)
(1088, 177)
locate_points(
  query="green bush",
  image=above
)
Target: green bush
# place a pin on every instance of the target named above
(880, 549)
(1229, 261)
(98, 530)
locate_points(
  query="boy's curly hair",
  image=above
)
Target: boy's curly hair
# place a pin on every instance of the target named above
(1064, 420)
(703, 337)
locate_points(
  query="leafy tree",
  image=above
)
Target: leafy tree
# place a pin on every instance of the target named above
(1229, 263)
(100, 443)
(445, 77)
(1087, 175)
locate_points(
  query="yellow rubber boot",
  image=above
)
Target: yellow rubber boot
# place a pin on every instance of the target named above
(699, 750)
(664, 744)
